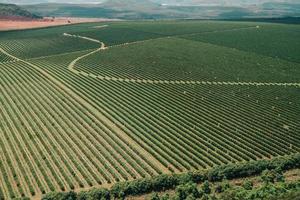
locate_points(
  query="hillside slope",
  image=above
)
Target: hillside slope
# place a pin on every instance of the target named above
(14, 11)
(158, 9)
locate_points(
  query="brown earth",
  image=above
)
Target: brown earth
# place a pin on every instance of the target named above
(13, 23)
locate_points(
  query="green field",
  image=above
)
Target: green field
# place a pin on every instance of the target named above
(161, 97)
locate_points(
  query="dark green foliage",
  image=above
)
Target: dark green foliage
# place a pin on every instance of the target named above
(154, 196)
(22, 198)
(225, 185)
(253, 167)
(94, 194)
(187, 180)
(165, 197)
(60, 196)
(191, 197)
(266, 191)
(206, 187)
(219, 188)
(136, 187)
(248, 184)
(271, 176)
(187, 190)
(1, 195)
(291, 195)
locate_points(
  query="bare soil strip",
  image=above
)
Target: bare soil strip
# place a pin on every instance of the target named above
(21, 24)
(71, 67)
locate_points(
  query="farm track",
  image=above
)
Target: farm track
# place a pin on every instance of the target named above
(103, 47)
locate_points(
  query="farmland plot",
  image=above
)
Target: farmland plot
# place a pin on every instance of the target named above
(44, 46)
(170, 28)
(184, 132)
(51, 141)
(114, 36)
(277, 41)
(63, 129)
(5, 58)
(185, 60)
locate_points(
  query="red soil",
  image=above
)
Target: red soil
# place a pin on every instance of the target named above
(23, 23)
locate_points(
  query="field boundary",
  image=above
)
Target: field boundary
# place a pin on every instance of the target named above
(103, 47)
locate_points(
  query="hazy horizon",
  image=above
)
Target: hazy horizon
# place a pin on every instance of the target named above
(162, 2)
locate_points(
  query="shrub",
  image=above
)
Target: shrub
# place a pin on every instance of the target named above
(230, 171)
(154, 196)
(218, 188)
(1, 195)
(206, 188)
(183, 191)
(165, 197)
(190, 197)
(94, 194)
(248, 185)
(185, 178)
(271, 176)
(60, 196)
(225, 185)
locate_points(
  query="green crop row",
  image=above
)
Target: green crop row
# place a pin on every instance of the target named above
(212, 124)
(187, 60)
(165, 182)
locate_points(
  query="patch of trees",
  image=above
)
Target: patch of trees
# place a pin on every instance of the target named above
(171, 181)
(270, 189)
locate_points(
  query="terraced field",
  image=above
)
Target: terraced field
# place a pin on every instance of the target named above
(137, 99)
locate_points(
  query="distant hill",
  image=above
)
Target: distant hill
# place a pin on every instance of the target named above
(220, 2)
(30, 2)
(130, 4)
(14, 11)
(168, 9)
(168, 2)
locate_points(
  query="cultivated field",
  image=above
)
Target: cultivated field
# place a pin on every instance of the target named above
(92, 104)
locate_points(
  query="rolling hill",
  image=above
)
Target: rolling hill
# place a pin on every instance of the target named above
(14, 11)
(167, 9)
